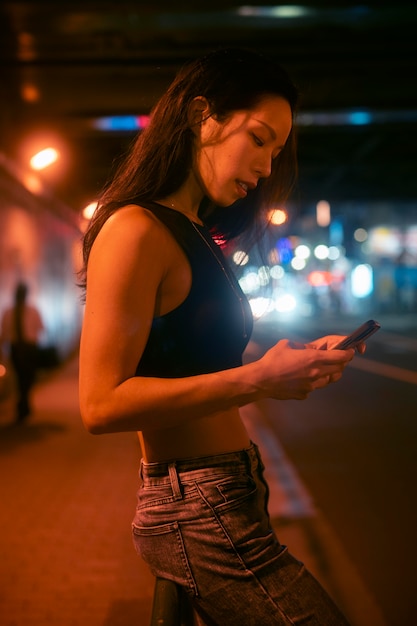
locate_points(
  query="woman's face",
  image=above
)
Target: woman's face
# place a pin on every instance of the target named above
(232, 156)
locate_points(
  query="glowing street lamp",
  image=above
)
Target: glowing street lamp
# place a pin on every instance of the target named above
(89, 210)
(44, 158)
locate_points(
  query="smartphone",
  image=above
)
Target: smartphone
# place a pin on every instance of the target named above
(359, 335)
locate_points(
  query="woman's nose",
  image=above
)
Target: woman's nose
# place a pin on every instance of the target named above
(263, 167)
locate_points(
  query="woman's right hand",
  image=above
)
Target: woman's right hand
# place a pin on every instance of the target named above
(291, 371)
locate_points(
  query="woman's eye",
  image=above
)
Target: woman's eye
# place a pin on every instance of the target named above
(257, 140)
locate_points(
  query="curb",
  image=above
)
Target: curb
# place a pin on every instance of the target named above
(300, 525)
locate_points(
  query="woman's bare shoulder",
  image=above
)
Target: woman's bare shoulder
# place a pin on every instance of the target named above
(132, 225)
(133, 216)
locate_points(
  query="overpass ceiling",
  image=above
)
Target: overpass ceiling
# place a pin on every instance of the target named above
(63, 64)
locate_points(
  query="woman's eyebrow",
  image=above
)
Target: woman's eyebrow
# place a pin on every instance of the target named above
(268, 127)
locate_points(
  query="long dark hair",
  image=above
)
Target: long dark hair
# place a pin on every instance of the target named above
(161, 157)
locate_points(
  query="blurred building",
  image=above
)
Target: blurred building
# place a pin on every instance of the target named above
(40, 245)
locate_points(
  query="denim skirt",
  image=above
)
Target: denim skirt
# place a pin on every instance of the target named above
(203, 523)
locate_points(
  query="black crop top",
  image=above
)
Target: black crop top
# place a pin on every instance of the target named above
(210, 329)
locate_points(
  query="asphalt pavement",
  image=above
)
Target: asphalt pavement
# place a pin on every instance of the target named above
(67, 501)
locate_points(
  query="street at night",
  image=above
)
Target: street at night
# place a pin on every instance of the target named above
(354, 445)
(305, 180)
(342, 467)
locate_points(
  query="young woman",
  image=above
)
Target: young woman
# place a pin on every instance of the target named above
(165, 328)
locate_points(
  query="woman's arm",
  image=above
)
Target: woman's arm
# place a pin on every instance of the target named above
(128, 284)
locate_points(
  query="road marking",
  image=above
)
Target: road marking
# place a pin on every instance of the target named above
(382, 369)
(288, 497)
(396, 341)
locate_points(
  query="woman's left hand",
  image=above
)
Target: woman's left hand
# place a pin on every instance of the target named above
(330, 341)
(327, 343)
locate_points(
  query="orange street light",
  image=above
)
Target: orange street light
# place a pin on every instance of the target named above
(44, 158)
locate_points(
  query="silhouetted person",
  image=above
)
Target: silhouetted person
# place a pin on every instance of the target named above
(21, 329)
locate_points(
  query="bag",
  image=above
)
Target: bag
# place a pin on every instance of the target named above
(29, 357)
(47, 357)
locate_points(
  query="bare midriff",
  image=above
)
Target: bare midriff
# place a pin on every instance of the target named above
(218, 433)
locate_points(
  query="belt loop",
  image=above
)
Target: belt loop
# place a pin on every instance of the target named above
(257, 458)
(175, 483)
(247, 458)
(253, 458)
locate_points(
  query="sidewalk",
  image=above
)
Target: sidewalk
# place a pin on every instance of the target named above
(68, 498)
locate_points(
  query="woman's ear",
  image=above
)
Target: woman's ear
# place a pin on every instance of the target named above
(198, 110)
